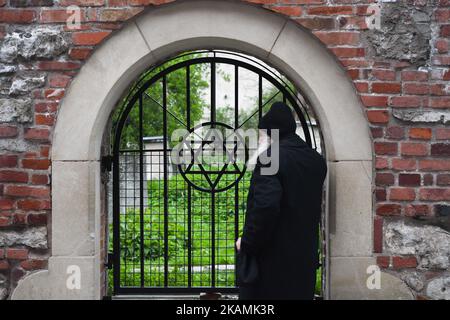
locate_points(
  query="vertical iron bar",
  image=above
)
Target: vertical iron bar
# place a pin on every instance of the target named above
(213, 199)
(166, 214)
(213, 234)
(236, 188)
(260, 97)
(213, 93)
(188, 121)
(116, 222)
(141, 187)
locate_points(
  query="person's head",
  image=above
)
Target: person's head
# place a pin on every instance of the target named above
(278, 117)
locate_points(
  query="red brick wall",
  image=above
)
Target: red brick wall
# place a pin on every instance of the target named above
(412, 158)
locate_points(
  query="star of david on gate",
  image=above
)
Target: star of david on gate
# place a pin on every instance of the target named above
(229, 167)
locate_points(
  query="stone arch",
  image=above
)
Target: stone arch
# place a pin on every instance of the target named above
(152, 37)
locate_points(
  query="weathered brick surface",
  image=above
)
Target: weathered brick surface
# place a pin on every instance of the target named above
(403, 87)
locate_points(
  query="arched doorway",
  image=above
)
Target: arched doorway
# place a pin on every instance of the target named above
(175, 225)
(77, 189)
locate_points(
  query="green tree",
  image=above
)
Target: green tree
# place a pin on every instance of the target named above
(152, 101)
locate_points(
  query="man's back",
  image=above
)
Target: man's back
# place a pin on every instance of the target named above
(282, 223)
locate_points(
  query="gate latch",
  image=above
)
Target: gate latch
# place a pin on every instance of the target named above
(106, 163)
(109, 262)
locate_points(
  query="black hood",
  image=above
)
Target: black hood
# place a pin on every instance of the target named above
(279, 117)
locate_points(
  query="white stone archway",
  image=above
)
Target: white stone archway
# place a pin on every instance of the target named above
(160, 33)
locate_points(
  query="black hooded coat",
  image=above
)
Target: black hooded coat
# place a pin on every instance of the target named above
(282, 219)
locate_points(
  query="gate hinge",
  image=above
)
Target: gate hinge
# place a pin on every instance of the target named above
(106, 163)
(109, 262)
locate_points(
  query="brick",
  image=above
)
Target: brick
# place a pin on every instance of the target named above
(377, 132)
(58, 80)
(380, 195)
(6, 204)
(414, 149)
(434, 165)
(385, 148)
(384, 75)
(37, 134)
(395, 133)
(44, 119)
(420, 133)
(414, 75)
(415, 210)
(378, 116)
(443, 179)
(441, 45)
(39, 179)
(33, 204)
(408, 179)
(13, 176)
(329, 10)
(89, 38)
(406, 102)
(440, 149)
(440, 102)
(19, 219)
(82, 3)
(26, 191)
(434, 194)
(353, 74)
(383, 261)
(441, 60)
(33, 264)
(317, 23)
(374, 101)
(8, 131)
(404, 262)
(58, 65)
(36, 164)
(362, 87)
(386, 87)
(384, 179)
(16, 254)
(54, 94)
(442, 15)
(8, 161)
(293, 11)
(5, 219)
(415, 88)
(428, 179)
(79, 53)
(46, 107)
(352, 23)
(378, 235)
(37, 219)
(30, 3)
(119, 14)
(344, 52)
(45, 151)
(389, 209)
(17, 16)
(4, 265)
(338, 38)
(445, 31)
(381, 163)
(61, 15)
(402, 194)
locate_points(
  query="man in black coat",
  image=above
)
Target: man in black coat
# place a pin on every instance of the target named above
(281, 228)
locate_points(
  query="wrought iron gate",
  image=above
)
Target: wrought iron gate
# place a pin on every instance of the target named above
(174, 226)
